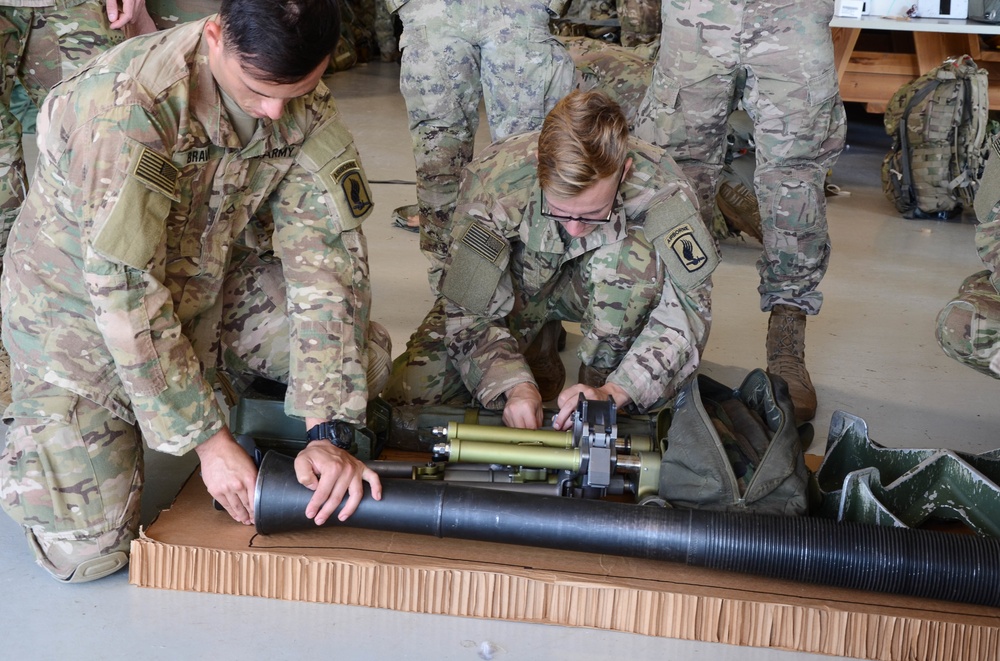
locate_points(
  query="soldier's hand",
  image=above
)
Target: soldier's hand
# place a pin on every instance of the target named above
(229, 475)
(569, 399)
(131, 14)
(332, 473)
(524, 407)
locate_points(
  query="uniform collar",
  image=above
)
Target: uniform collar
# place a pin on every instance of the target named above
(540, 234)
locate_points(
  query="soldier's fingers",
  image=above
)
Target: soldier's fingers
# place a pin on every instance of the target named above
(374, 483)
(355, 492)
(235, 508)
(336, 494)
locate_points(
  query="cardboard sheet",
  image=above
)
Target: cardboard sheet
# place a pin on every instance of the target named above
(194, 547)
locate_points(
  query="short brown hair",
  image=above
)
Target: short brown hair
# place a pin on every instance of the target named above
(584, 139)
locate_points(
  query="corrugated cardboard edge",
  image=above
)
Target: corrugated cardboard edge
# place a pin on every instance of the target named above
(547, 599)
(192, 547)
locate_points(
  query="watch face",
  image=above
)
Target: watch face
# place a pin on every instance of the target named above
(343, 435)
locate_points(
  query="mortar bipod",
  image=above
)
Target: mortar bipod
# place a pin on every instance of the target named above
(589, 460)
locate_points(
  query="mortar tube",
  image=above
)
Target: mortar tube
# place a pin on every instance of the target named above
(919, 563)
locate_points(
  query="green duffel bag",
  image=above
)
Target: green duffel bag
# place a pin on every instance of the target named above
(735, 449)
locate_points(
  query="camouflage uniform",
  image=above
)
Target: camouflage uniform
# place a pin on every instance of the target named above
(791, 93)
(171, 13)
(145, 218)
(640, 21)
(43, 42)
(968, 328)
(639, 285)
(454, 53)
(620, 72)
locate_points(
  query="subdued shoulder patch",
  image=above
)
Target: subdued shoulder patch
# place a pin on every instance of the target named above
(471, 278)
(157, 172)
(484, 242)
(682, 240)
(351, 180)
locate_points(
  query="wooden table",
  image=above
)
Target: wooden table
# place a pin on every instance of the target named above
(873, 77)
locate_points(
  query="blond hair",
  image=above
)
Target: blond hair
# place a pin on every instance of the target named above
(584, 139)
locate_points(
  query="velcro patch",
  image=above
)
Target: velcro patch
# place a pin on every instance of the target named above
(484, 242)
(349, 177)
(156, 171)
(685, 245)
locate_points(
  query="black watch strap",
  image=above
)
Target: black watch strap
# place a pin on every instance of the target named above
(338, 432)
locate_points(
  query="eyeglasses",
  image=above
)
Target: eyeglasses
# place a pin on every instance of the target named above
(586, 221)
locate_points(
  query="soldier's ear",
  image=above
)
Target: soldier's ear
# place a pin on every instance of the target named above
(626, 168)
(213, 34)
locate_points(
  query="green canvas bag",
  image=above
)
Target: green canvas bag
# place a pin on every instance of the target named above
(735, 449)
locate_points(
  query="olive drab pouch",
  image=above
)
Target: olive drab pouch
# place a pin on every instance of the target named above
(735, 449)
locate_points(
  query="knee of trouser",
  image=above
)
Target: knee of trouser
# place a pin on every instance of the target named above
(966, 335)
(54, 440)
(79, 557)
(379, 358)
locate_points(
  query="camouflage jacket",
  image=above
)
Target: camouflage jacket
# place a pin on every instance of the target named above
(553, 7)
(501, 195)
(114, 267)
(41, 4)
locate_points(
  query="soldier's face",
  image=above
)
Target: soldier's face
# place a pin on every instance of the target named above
(583, 213)
(247, 87)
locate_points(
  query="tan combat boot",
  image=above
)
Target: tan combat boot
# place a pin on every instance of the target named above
(738, 205)
(786, 348)
(542, 357)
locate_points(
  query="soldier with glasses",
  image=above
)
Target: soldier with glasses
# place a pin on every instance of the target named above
(577, 222)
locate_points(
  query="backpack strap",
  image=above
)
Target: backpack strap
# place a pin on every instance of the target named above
(904, 142)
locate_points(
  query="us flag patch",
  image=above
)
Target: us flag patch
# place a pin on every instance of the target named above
(157, 171)
(485, 243)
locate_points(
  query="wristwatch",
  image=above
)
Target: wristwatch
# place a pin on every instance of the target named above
(338, 432)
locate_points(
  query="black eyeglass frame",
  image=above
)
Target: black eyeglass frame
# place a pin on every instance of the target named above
(545, 213)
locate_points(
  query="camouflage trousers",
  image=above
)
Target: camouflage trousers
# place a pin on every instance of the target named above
(611, 292)
(71, 473)
(40, 47)
(790, 91)
(640, 21)
(968, 328)
(454, 55)
(255, 329)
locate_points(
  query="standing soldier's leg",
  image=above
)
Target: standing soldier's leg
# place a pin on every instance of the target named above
(799, 128)
(439, 80)
(71, 476)
(686, 108)
(385, 33)
(640, 21)
(525, 69)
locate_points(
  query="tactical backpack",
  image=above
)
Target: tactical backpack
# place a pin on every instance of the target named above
(939, 124)
(735, 449)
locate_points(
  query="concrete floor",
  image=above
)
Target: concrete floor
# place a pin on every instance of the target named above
(871, 352)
